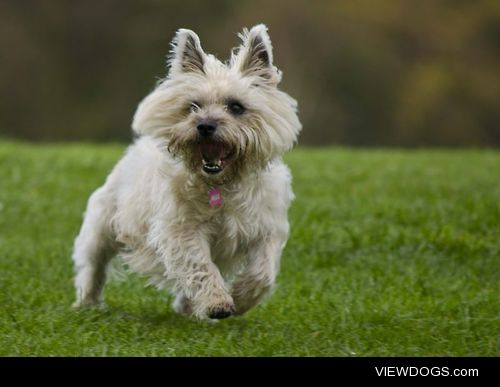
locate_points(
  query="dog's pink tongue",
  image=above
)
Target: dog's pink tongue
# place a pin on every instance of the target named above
(212, 151)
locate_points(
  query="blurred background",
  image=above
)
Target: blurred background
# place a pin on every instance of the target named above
(365, 73)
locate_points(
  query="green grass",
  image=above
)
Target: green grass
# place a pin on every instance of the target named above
(391, 253)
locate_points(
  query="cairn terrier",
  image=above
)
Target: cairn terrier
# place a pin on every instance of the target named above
(199, 202)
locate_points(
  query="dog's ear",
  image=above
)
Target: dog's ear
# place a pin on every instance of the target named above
(255, 55)
(186, 54)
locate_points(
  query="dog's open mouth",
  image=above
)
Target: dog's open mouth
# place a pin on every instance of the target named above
(215, 156)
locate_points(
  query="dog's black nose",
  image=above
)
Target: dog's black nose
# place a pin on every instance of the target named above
(207, 128)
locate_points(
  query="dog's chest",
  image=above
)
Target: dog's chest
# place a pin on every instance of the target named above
(234, 215)
(233, 227)
(238, 225)
(231, 234)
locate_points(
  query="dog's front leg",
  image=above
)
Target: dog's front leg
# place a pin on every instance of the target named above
(196, 280)
(257, 278)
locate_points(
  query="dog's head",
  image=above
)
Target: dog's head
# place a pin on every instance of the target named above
(222, 119)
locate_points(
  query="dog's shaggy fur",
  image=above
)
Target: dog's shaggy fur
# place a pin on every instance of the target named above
(208, 125)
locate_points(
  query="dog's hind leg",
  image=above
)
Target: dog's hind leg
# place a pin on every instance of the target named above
(94, 247)
(183, 305)
(256, 280)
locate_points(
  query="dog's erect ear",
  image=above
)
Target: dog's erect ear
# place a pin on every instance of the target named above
(255, 55)
(186, 54)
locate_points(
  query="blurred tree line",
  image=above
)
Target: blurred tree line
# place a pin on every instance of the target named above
(365, 72)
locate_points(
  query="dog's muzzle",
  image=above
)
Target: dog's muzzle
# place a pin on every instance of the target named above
(215, 155)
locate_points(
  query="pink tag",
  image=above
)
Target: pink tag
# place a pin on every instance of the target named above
(215, 197)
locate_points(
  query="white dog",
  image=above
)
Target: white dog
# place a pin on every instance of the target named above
(199, 202)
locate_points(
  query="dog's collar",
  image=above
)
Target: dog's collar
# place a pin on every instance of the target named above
(215, 197)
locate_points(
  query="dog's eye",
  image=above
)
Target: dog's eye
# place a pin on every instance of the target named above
(235, 108)
(194, 107)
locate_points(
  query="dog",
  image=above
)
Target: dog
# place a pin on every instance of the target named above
(199, 202)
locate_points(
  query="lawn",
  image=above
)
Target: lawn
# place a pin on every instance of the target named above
(392, 253)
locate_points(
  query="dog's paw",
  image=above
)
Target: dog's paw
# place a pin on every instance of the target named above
(221, 310)
(82, 304)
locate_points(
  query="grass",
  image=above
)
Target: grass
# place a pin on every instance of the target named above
(392, 253)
